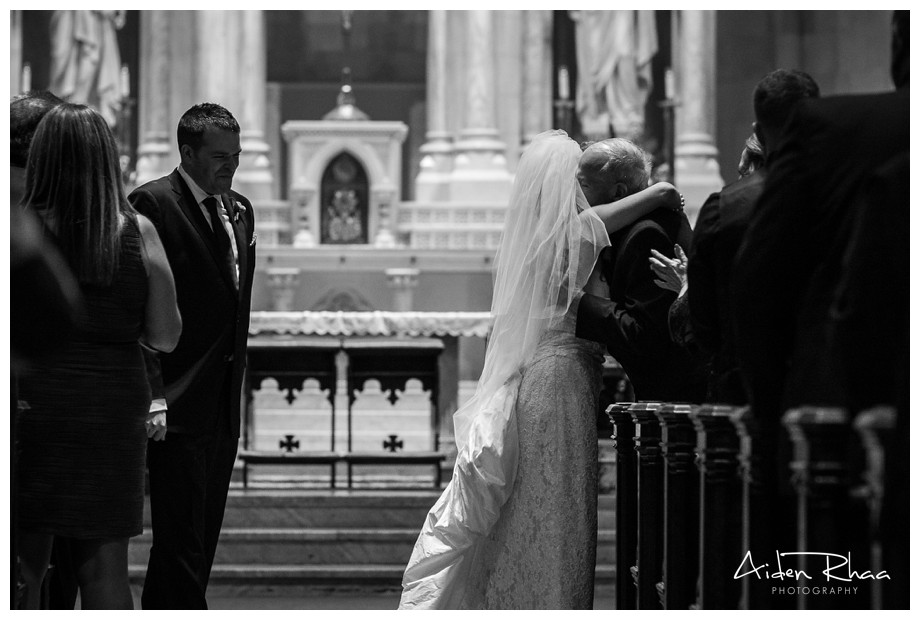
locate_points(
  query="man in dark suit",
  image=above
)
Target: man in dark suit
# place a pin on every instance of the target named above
(633, 323)
(791, 261)
(208, 232)
(717, 236)
(870, 321)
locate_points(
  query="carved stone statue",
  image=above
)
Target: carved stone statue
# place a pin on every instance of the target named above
(614, 50)
(85, 61)
(344, 219)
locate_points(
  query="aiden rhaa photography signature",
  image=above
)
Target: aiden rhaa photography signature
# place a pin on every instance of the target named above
(837, 568)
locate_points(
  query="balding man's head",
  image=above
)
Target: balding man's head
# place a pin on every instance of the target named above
(612, 169)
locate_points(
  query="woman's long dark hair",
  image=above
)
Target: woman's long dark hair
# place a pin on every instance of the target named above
(73, 179)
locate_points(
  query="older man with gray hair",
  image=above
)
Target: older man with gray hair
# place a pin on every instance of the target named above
(633, 323)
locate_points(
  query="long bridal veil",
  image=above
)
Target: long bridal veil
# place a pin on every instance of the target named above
(549, 245)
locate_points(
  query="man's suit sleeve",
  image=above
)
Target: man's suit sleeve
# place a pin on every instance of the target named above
(154, 374)
(638, 323)
(702, 267)
(146, 204)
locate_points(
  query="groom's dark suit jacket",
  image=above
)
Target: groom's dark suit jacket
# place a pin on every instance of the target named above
(215, 315)
(633, 323)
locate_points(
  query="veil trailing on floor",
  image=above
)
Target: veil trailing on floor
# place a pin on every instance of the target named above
(549, 245)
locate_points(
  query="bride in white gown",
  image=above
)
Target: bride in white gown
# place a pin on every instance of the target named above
(516, 527)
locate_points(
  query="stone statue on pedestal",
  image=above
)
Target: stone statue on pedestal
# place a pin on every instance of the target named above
(614, 50)
(85, 60)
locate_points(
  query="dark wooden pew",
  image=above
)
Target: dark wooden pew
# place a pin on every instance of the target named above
(693, 500)
(876, 428)
(720, 550)
(646, 572)
(680, 522)
(832, 518)
(626, 494)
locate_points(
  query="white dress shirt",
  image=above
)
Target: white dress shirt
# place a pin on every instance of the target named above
(200, 196)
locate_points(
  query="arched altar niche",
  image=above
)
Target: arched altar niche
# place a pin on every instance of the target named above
(321, 156)
(344, 202)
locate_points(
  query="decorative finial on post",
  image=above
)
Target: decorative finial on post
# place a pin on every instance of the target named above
(346, 25)
(345, 109)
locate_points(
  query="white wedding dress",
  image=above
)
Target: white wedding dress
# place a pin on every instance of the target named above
(516, 527)
(541, 552)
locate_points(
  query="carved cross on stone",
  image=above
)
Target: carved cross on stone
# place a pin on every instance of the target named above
(392, 444)
(289, 444)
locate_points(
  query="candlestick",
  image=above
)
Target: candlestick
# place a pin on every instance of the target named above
(26, 85)
(563, 82)
(125, 82)
(669, 83)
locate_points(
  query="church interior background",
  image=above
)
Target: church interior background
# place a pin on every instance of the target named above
(379, 149)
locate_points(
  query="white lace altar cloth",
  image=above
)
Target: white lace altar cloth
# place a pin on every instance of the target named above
(378, 323)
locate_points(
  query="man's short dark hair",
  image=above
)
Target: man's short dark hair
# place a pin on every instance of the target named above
(199, 118)
(777, 93)
(26, 111)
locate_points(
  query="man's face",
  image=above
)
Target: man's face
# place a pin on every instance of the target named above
(213, 165)
(586, 187)
(592, 159)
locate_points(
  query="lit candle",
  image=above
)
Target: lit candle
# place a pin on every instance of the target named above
(669, 83)
(26, 78)
(563, 82)
(125, 82)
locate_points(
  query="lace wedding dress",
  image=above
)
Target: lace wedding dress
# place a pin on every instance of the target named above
(516, 526)
(541, 552)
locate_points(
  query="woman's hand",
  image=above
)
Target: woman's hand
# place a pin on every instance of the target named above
(670, 273)
(669, 196)
(156, 425)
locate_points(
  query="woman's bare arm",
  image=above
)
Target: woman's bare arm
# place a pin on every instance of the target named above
(625, 211)
(163, 324)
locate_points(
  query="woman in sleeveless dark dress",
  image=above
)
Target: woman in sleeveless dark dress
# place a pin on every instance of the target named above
(82, 437)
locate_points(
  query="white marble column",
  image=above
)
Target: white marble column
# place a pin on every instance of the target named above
(696, 167)
(218, 77)
(188, 57)
(341, 402)
(385, 199)
(15, 51)
(538, 64)
(432, 182)
(254, 177)
(157, 153)
(480, 167)
(403, 281)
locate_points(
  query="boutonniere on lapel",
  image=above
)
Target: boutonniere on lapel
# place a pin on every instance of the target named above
(236, 210)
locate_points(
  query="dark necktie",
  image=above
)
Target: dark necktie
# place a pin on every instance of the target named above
(220, 238)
